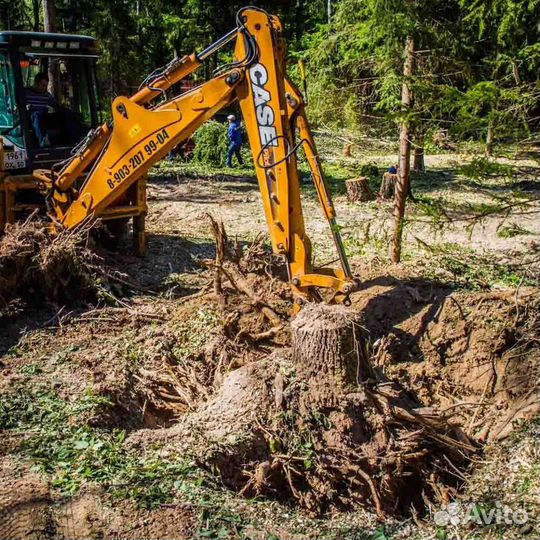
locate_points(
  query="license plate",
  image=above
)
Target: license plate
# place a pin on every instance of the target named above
(15, 160)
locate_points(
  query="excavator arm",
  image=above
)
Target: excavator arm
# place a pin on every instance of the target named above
(119, 153)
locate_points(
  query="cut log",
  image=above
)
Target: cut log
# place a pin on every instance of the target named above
(328, 353)
(419, 165)
(358, 190)
(388, 186)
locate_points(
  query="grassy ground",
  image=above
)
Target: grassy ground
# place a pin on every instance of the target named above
(476, 218)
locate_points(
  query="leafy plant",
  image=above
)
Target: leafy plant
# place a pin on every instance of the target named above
(62, 444)
(370, 170)
(211, 144)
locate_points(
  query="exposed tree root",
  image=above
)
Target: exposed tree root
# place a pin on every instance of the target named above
(237, 275)
(317, 424)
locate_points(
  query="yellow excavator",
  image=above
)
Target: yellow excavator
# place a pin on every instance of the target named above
(111, 163)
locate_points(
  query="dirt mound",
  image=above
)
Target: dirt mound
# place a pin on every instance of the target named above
(90, 515)
(376, 407)
(24, 500)
(321, 428)
(29, 511)
(473, 355)
(447, 369)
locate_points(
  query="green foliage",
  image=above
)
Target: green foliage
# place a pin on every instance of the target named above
(480, 168)
(62, 444)
(211, 143)
(472, 271)
(512, 230)
(370, 170)
(477, 63)
(488, 103)
(30, 370)
(218, 522)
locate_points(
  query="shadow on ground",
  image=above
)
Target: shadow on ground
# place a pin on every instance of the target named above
(167, 255)
(388, 306)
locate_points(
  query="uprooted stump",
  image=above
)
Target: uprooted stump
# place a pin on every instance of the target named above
(372, 442)
(318, 425)
(42, 267)
(251, 288)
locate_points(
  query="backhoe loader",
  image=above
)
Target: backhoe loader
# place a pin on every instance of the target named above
(110, 165)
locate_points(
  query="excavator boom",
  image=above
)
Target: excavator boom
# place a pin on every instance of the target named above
(143, 132)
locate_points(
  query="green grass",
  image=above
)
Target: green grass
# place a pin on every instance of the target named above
(56, 435)
(470, 270)
(192, 169)
(481, 168)
(512, 230)
(30, 370)
(336, 173)
(58, 439)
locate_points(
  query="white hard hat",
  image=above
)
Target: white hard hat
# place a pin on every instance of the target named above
(231, 117)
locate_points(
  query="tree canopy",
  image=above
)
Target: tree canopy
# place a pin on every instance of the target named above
(477, 62)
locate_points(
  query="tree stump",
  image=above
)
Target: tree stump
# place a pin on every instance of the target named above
(328, 353)
(358, 190)
(419, 165)
(370, 441)
(388, 186)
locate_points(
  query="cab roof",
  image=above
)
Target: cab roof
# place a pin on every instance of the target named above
(42, 41)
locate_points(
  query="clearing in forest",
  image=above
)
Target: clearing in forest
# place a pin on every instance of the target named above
(174, 397)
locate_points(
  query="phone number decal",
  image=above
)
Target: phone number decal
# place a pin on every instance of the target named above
(135, 161)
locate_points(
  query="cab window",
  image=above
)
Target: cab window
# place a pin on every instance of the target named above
(72, 116)
(9, 113)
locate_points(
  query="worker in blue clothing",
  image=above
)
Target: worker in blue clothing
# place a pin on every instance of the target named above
(235, 140)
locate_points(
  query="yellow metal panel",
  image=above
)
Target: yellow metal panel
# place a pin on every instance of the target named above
(130, 153)
(264, 109)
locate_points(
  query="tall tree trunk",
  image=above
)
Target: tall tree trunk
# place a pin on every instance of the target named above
(299, 20)
(35, 12)
(49, 25)
(403, 183)
(489, 139)
(329, 10)
(49, 16)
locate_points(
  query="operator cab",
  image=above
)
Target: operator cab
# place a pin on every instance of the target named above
(48, 97)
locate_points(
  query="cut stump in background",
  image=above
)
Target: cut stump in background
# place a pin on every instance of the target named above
(358, 190)
(388, 186)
